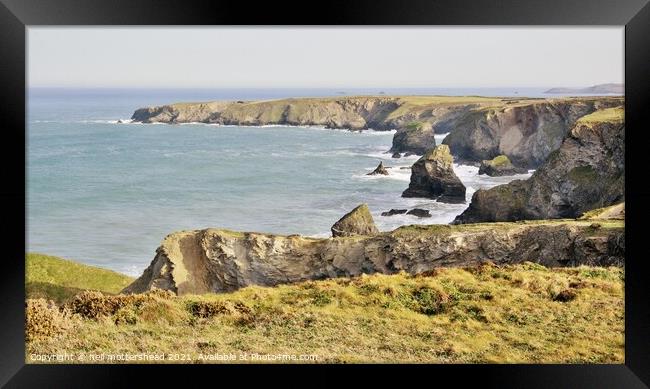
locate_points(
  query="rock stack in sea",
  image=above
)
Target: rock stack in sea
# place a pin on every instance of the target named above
(432, 176)
(379, 170)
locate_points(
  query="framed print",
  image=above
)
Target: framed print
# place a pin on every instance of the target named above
(446, 188)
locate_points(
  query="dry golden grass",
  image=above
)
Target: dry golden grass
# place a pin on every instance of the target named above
(512, 314)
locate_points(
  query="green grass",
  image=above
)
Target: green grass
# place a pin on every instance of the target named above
(509, 314)
(500, 160)
(60, 279)
(604, 115)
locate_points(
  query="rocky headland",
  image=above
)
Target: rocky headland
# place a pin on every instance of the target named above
(216, 260)
(526, 130)
(600, 88)
(586, 172)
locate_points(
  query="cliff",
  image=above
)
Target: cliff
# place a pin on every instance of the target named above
(586, 172)
(526, 134)
(215, 260)
(525, 130)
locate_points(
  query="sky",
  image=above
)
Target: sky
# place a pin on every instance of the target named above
(308, 57)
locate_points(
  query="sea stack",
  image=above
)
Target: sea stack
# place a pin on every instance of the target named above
(432, 176)
(359, 221)
(379, 170)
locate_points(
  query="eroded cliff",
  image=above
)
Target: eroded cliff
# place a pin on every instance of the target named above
(526, 130)
(215, 260)
(586, 172)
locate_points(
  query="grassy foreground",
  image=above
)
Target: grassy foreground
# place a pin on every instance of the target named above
(522, 313)
(60, 279)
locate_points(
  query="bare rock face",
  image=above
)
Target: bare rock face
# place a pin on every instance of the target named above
(359, 221)
(500, 166)
(587, 172)
(432, 176)
(214, 260)
(527, 134)
(380, 169)
(415, 138)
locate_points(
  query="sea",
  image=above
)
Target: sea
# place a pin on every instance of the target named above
(106, 193)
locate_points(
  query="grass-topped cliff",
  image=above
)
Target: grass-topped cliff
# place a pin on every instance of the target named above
(480, 127)
(500, 314)
(59, 279)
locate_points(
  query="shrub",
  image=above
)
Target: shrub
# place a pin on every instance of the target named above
(44, 319)
(430, 301)
(207, 309)
(565, 295)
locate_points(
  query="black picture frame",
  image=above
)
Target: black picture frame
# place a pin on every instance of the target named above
(16, 15)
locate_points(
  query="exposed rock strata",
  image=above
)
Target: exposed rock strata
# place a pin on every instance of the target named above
(432, 176)
(587, 172)
(214, 260)
(526, 134)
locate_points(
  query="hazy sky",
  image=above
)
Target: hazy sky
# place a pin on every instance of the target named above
(324, 57)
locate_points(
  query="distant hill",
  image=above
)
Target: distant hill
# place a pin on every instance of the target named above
(60, 279)
(600, 88)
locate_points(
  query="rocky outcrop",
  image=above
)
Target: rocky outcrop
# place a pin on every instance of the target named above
(526, 130)
(587, 172)
(214, 260)
(394, 212)
(419, 212)
(432, 176)
(500, 166)
(359, 221)
(379, 170)
(526, 133)
(416, 138)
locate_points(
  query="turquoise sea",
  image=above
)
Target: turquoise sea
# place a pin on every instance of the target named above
(106, 194)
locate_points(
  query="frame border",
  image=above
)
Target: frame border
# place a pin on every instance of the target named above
(16, 15)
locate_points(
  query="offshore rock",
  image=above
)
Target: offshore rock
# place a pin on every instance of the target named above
(432, 176)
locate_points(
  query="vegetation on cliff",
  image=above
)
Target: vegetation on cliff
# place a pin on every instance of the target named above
(523, 313)
(60, 279)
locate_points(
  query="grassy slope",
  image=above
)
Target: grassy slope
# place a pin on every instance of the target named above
(604, 115)
(488, 314)
(59, 279)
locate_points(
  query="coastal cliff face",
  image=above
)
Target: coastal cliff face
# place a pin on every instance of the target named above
(586, 172)
(525, 130)
(526, 134)
(214, 260)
